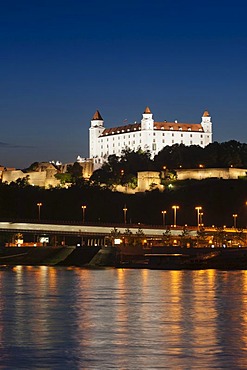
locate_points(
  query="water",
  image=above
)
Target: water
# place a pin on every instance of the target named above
(57, 318)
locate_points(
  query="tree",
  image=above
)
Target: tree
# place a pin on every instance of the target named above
(139, 237)
(128, 237)
(114, 234)
(185, 238)
(201, 236)
(166, 237)
(75, 171)
(64, 178)
(21, 182)
(220, 236)
(123, 170)
(239, 237)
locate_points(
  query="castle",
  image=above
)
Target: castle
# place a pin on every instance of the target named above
(148, 135)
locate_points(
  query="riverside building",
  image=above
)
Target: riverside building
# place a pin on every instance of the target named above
(148, 135)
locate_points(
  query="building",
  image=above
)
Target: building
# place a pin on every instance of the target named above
(42, 175)
(148, 135)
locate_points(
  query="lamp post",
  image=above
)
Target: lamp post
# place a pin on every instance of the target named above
(83, 213)
(163, 217)
(125, 214)
(198, 209)
(235, 220)
(200, 216)
(39, 205)
(175, 215)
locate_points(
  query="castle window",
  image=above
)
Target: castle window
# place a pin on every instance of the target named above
(154, 133)
(189, 128)
(172, 134)
(153, 140)
(182, 135)
(163, 134)
(172, 141)
(201, 136)
(201, 142)
(190, 142)
(180, 128)
(182, 142)
(163, 141)
(128, 129)
(171, 128)
(162, 128)
(190, 135)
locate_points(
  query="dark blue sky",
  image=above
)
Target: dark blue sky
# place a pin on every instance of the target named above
(62, 60)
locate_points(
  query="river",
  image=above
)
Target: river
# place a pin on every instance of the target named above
(73, 318)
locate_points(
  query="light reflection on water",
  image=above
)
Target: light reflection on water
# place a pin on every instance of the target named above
(56, 318)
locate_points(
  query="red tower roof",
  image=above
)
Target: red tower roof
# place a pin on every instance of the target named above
(97, 116)
(147, 110)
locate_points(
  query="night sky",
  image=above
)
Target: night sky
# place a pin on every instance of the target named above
(62, 60)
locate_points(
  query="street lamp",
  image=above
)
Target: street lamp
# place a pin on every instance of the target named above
(125, 213)
(83, 213)
(235, 220)
(175, 215)
(39, 205)
(163, 217)
(200, 216)
(198, 209)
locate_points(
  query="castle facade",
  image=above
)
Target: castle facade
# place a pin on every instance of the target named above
(148, 135)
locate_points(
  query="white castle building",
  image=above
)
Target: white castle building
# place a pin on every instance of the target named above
(147, 135)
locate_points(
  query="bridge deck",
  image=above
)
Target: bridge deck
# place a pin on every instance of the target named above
(149, 231)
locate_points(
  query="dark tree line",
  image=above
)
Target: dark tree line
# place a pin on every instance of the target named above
(228, 154)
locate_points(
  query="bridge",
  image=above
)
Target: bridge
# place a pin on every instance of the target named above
(101, 229)
(85, 229)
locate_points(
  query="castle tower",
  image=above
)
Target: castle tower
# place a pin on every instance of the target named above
(147, 122)
(96, 129)
(207, 127)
